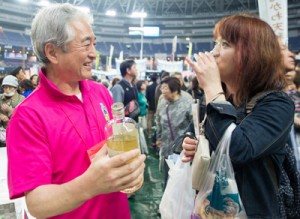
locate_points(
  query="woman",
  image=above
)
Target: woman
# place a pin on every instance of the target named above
(8, 102)
(26, 87)
(34, 80)
(196, 91)
(173, 116)
(142, 100)
(247, 59)
(9, 99)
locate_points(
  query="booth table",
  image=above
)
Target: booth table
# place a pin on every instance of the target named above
(9, 209)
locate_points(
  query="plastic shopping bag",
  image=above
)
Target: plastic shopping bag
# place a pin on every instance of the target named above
(218, 196)
(178, 198)
(142, 142)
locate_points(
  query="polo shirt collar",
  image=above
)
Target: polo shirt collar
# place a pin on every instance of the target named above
(55, 92)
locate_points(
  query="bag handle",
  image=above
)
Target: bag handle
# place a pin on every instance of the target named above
(169, 123)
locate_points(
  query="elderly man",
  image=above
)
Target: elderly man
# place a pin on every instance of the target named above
(65, 116)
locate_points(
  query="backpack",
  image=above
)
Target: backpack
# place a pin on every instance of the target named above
(289, 187)
(132, 108)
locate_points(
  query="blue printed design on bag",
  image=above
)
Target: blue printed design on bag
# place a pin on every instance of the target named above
(220, 198)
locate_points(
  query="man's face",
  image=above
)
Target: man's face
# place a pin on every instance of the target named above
(21, 75)
(76, 64)
(9, 90)
(132, 71)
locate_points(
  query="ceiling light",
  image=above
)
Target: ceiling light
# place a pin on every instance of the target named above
(110, 13)
(139, 14)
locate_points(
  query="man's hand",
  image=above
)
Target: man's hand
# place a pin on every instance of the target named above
(113, 174)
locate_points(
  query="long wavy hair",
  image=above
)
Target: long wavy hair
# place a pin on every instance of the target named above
(258, 58)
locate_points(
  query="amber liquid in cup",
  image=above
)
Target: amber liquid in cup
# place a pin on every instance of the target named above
(122, 142)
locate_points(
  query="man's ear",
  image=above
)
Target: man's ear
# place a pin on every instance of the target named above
(127, 71)
(50, 52)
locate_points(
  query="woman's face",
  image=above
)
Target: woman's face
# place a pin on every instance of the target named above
(224, 53)
(166, 92)
(287, 56)
(34, 80)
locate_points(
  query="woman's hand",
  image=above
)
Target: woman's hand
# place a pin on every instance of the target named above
(206, 70)
(158, 143)
(189, 149)
(208, 74)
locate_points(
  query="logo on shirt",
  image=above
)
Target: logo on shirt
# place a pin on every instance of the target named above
(105, 112)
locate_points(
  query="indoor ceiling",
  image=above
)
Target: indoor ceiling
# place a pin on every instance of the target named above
(184, 18)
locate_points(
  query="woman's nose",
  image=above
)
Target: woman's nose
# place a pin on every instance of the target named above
(214, 52)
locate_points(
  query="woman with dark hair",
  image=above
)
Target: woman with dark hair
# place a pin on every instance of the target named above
(26, 87)
(18, 73)
(247, 59)
(34, 80)
(173, 116)
(196, 91)
(142, 100)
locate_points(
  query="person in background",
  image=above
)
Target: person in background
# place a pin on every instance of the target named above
(19, 73)
(95, 78)
(114, 82)
(288, 59)
(150, 95)
(26, 87)
(105, 83)
(60, 122)
(142, 100)
(247, 59)
(196, 91)
(9, 99)
(34, 80)
(173, 115)
(125, 91)
(163, 75)
(179, 76)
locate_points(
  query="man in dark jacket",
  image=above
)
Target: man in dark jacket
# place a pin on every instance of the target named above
(126, 91)
(150, 95)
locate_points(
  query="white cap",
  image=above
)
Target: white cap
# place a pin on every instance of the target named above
(10, 80)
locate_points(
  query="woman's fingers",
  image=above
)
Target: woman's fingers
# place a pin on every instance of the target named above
(189, 148)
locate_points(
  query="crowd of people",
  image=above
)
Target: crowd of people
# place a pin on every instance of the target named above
(63, 110)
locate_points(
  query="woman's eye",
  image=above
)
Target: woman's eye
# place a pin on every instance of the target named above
(225, 44)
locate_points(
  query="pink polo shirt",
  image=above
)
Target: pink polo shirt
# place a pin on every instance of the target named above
(47, 142)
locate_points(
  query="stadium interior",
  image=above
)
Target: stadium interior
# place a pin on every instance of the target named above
(191, 21)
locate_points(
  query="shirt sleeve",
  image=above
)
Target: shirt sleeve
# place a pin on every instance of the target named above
(29, 156)
(118, 93)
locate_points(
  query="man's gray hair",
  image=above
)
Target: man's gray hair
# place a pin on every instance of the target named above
(52, 24)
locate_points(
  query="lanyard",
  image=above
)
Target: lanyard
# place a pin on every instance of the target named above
(74, 126)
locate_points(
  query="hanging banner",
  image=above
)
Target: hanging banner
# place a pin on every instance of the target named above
(274, 12)
(190, 49)
(140, 65)
(169, 66)
(121, 56)
(111, 52)
(97, 62)
(174, 45)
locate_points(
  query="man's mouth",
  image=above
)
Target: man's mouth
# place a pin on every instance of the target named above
(88, 64)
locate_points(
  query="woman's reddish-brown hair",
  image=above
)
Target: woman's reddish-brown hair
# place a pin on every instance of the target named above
(257, 53)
